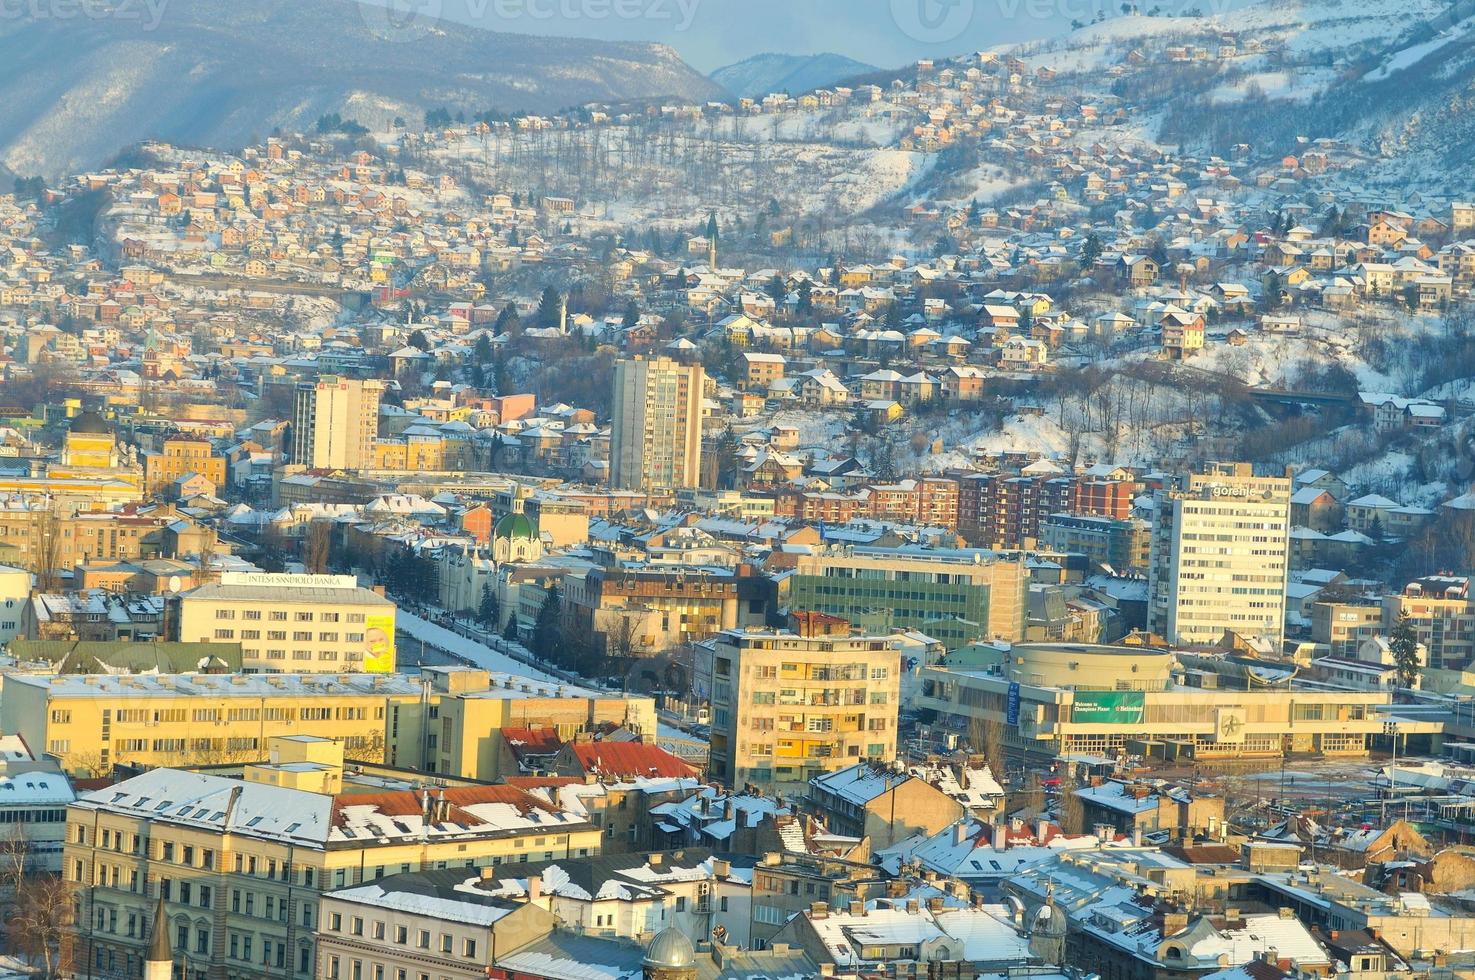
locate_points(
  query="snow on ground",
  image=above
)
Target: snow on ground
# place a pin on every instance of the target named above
(1415, 53)
(1299, 85)
(479, 654)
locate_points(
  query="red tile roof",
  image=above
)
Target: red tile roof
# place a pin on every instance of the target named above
(627, 760)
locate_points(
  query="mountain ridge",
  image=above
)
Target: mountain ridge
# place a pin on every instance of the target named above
(761, 74)
(217, 73)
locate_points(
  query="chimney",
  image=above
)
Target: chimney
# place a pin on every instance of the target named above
(1136, 836)
(913, 906)
(934, 904)
(1174, 923)
(819, 910)
(1042, 830)
(488, 873)
(1105, 832)
(721, 868)
(1001, 837)
(535, 887)
(960, 833)
(655, 860)
(731, 812)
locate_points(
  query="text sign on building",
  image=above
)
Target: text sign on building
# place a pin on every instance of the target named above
(1109, 708)
(1012, 709)
(289, 580)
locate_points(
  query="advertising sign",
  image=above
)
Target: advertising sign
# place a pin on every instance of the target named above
(1109, 708)
(379, 644)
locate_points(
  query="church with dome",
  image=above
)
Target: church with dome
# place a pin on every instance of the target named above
(515, 539)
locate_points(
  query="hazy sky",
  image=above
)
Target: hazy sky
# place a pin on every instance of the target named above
(713, 33)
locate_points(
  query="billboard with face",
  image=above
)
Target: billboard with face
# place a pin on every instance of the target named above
(379, 644)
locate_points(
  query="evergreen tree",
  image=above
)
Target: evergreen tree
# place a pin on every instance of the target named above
(727, 460)
(632, 316)
(489, 612)
(1091, 250)
(549, 307)
(806, 297)
(776, 289)
(507, 321)
(547, 628)
(1404, 645)
(419, 341)
(712, 227)
(483, 350)
(509, 632)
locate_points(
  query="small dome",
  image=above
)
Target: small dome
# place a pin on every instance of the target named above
(514, 526)
(670, 950)
(90, 423)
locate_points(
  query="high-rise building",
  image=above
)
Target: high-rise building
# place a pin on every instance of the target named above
(656, 438)
(786, 708)
(1220, 557)
(336, 422)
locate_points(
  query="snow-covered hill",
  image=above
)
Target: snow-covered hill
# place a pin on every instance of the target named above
(762, 74)
(75, 91)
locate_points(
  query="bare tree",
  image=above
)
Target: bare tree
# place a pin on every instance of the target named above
(318, 546)
(41, 923)
(1072, 810)
(46, 545)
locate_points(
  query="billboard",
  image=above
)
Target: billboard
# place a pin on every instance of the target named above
(379, 643)
(1109, 708)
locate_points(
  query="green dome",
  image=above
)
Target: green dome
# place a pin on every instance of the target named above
(515, 526)
(90, 423)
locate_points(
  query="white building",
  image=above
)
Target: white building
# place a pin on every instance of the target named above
(1219, 557)
(15, 590)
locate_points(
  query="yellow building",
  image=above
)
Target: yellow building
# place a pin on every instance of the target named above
(457, 730)
(93, 722)
(293, 623)
(336, 422)
(182, 457)
(241, 864)
(786, 708)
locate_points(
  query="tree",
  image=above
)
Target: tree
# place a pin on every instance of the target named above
(548, 627)
(728, 460)
(509, 632)
(712, 227)
(483, 350)
(1375, 529)
(1072, 809)
(1404, 645)
(39, 927)
(806, 297)
(419, 341)
(550, 308)
(489, 612)
(776, 289)
(1091, 250)
(632, 316)
(318, 547)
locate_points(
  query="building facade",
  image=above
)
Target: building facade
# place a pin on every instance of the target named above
(955, 597)
(656, 434)
(1220, 558)
(336, 421)
(787, 708)
(292, 623)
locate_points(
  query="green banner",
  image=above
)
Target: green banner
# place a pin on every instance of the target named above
(1109, 708)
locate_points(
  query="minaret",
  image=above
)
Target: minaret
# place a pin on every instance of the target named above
(159, 964)
(712, 253)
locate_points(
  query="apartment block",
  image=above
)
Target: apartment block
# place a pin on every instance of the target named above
(656, 434)
(1220, 557)
(336, 421)
(787, 708)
